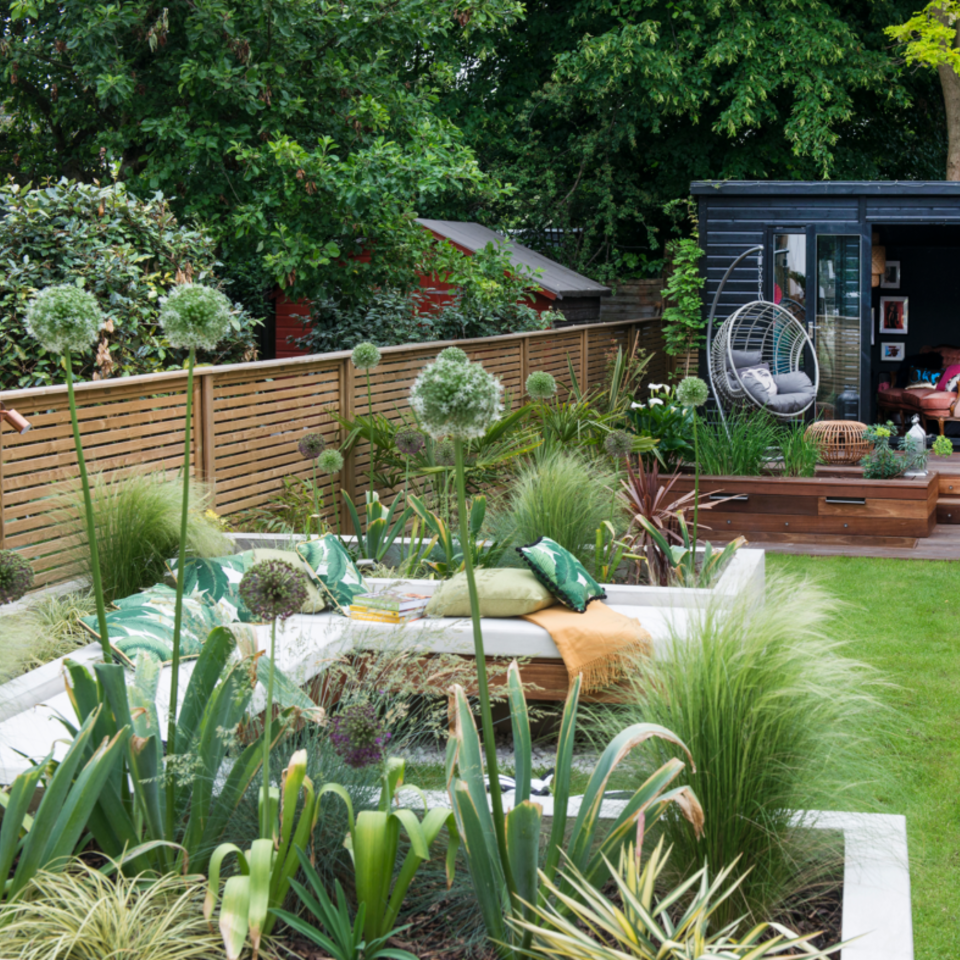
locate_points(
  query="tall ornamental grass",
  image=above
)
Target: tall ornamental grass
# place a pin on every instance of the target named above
(562, 495)
(742, 448)
(137, 522)
(777, 719)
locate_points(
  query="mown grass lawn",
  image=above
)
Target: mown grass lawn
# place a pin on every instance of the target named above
(903, 616)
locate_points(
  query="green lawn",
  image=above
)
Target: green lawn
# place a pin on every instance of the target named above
(904, 618)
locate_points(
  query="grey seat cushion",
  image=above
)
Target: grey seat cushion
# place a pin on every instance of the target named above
(797, 382)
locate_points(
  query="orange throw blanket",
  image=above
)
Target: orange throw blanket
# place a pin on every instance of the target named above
(597, 644)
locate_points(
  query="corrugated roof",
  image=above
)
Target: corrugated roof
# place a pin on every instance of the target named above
(553, 277)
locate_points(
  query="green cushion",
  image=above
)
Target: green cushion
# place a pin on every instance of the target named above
(144, 623)
(335, 573)
(315, 602)
(502, 593)
(217, 581)
(562, 574)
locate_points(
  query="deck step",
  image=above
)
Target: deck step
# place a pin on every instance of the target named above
(948, 510)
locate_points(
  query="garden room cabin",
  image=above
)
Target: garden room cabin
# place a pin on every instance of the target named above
(872, 270)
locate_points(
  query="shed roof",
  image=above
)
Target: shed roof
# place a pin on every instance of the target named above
(807, 188)
(553, 277)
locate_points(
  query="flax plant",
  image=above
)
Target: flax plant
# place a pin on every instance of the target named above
(66, 320)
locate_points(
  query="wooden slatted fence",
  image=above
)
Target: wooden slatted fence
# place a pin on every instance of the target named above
(247, 420)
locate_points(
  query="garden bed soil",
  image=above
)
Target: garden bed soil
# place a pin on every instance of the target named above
(429, 935)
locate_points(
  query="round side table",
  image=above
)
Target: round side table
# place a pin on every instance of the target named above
(839, 441)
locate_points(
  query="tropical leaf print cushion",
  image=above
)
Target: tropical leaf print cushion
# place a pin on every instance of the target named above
(562, 574)
(144, 624)
(217, 581)
(335, 572)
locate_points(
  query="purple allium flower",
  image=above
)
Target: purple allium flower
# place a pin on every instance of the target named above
(16, 576)
(274, 589)
(311, 445)
(410, 442)
(358, 735)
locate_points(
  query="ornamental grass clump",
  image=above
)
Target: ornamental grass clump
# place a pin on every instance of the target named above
(16, 576)
(311, 445)
(779, 721)
(66, 320)
(192, 316)
(358, 735)
(274, 590)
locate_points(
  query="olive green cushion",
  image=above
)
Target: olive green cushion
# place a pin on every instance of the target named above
(333, 570)
(315, 601)
(502, 593)
(562, 573)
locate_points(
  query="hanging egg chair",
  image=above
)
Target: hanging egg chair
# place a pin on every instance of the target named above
(759, 357)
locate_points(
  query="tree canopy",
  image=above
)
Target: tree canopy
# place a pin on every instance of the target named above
(602, 113)
(300, 130)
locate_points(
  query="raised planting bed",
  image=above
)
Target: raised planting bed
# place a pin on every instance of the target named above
(823, 509)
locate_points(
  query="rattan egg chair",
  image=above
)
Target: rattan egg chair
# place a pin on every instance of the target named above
(761, 334)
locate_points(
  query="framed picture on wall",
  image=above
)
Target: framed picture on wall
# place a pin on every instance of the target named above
(894, 315)
(892, 352)
(890, 280)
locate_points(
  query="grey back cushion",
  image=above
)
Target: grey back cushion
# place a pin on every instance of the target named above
(745, 358)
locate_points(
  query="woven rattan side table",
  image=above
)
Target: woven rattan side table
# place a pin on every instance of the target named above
(839, 441)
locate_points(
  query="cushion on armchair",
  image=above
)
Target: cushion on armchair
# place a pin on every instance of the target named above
(950, 379)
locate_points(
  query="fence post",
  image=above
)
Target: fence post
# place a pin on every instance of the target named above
(584, 366)
(348, 474)
(1, 486)
(206, 449)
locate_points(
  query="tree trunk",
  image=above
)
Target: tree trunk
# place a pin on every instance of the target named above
(950, 82)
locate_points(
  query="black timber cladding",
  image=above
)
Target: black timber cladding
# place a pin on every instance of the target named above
(736, 215)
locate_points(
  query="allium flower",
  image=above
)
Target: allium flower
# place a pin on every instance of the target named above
(311, 445)
(365, 356)
(274, 589)
(541, 385)
(358, 736)
(453, 355)
(692, 392)
(16, 576)
(65, 319)
(444, 454)
(195, 316)
(458, 400)
(410, 442)
(618, 444)
(330, 461)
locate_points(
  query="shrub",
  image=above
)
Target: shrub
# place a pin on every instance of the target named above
(83, 914)
(138, 529)
(126, 252)
(776, 718)
(562, 495)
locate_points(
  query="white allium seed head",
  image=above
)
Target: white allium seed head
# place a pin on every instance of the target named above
(455, 399)
(195, 316)
(64, 318)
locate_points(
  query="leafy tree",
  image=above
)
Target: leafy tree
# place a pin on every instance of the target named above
(128, 253)
(931, 38)
(683, 319)
(601, 114)
(300, 130)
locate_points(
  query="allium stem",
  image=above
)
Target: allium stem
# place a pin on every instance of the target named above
(316, 499)
(483, 689)
(696, 479)
(266, 828)
(335, 503)
(178, 605)
(88, 511)
(370, 415)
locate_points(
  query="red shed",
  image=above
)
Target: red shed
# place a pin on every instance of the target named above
(558, 287)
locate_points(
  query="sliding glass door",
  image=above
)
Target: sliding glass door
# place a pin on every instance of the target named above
(836, 327)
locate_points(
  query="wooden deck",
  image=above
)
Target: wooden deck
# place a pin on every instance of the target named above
(942, 544)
